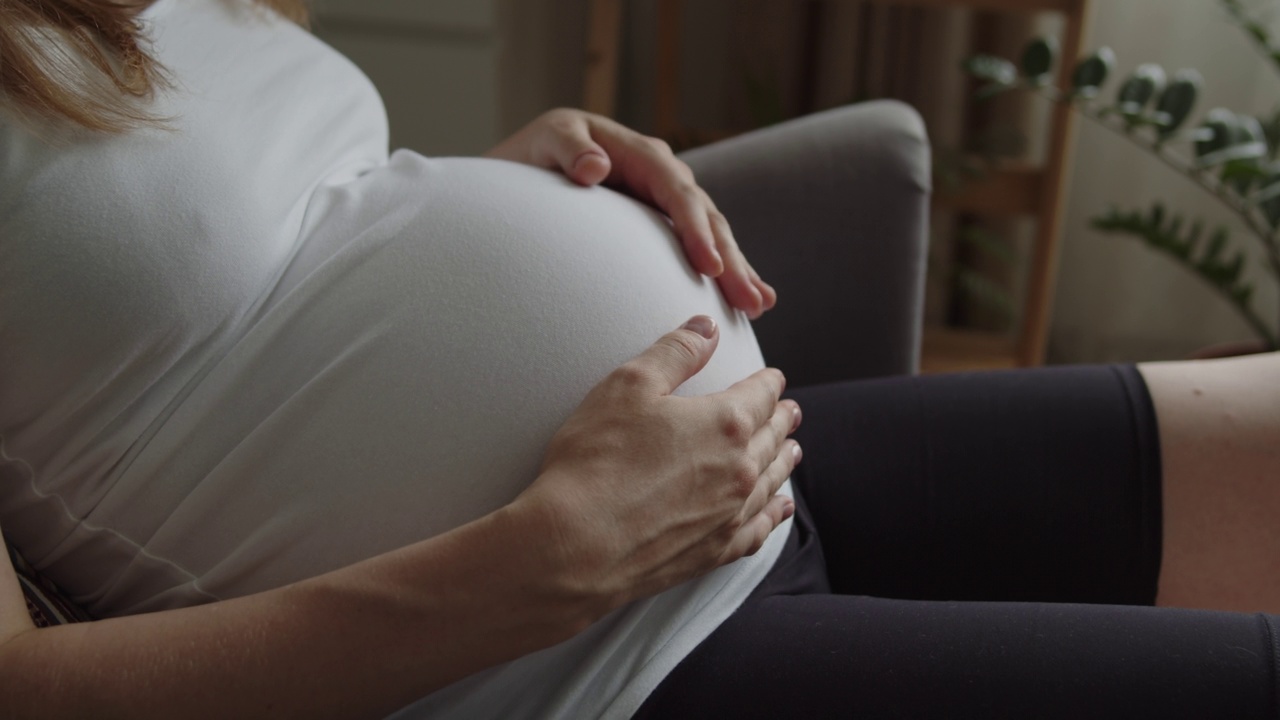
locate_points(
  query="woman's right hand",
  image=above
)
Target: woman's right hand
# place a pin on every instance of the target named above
(642, 490)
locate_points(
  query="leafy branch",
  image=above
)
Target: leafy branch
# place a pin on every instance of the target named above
(995, 252)
(1212, 263)
(1252, 27)
(1232, 157)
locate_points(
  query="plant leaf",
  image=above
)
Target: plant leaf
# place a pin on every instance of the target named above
(1225, 137)
(996, 70)
(986, 92)
(990, 245)
(1092, 72)
(1039, 58)
(1251, 172)
(1224, 276)
(1258, 32)
(987, 292)
(1178, 100)
(1140, 89)
(1271, 129)
(1217, 243)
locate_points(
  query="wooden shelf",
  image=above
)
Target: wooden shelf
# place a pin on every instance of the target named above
(1008, 6)
(601, 79)
(1005, 192)
(953, 350)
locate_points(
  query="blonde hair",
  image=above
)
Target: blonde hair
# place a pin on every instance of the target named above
(85, 61)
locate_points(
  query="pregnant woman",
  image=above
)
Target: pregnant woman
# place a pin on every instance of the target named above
(323, 432)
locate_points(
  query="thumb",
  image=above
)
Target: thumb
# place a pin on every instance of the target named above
(580, 157)
(679, 355)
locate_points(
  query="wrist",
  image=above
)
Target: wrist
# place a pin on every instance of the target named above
(564, 557)
(485, 593)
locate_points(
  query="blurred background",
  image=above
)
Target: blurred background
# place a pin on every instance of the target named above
(458, 75)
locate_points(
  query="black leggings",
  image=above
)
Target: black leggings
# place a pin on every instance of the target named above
(976, 546)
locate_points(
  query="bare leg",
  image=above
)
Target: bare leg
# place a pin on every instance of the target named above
(1220, 446)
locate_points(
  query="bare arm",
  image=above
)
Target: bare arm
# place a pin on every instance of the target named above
(358, 642)
(640, 491)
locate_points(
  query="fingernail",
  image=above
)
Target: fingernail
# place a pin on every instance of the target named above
(715, 255)
(703, 325)
(577, 164)
(795, 418)
(788, 510)
(796, 452)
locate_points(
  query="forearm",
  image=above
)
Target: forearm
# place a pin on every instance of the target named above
(639, 491)
(358, 642)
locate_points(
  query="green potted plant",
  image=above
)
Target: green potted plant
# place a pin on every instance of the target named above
(1233, 157)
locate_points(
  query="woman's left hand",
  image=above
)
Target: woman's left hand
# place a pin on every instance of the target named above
(591, 149)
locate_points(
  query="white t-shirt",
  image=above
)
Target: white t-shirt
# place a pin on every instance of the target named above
(250, 348)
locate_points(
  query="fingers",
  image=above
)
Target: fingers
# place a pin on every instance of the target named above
(765, 509)
(674, 358)
(649, 170)
(588, 167)
(740, 283)
(784, 461)
(766, 290)
(769, 438)
(737, 286)
(753, 534)
(569, 146)
(749, 403)
(656, 176)
(681, 200)
(774, 455)
(591, 149)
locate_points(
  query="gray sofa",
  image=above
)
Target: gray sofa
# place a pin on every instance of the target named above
(832, 210)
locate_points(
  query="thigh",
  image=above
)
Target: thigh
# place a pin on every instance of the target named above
(843, 656)
(1035, 485)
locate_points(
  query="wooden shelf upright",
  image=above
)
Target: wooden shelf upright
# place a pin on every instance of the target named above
(1035, 192)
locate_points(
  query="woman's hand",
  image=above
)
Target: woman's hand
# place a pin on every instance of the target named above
(591, 149)
(642, 490)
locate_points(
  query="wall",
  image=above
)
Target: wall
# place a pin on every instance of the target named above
(1116, 299)
(540, 64)
(434, 61)
(459, 75)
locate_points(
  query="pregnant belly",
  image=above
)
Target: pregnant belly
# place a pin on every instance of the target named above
(440, 322)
